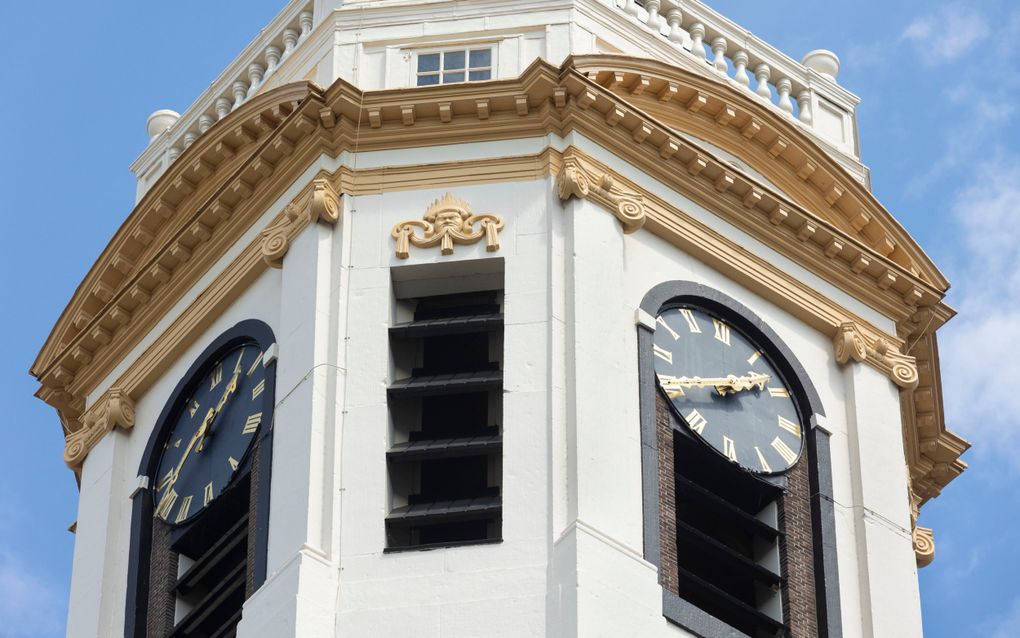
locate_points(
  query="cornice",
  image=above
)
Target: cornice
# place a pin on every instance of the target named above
(221, 185)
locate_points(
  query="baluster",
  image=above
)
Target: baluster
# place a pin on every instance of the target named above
(633, 9)
(654, 19)
(255, 74)
(719, 54)
(272, 59)
(290, 38)
(223, 107)
(762, 72)
(189, 139)
(240, 89)
(740, 68)
(783, 87)
(804, 104)
(305, 20)
(675, 18)
(697, 36)
(205, 123)
(172, 154)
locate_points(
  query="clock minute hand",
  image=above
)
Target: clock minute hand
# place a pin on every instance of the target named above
(215, 412)
(730, 384)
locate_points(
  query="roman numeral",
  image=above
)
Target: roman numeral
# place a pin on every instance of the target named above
(255, 364)
(166, 504)
(663, 354)
(729, 449)
(166, 480)
(207, 494)
(779, 392)
(240, 357)
(761, 459)
(722, 331)
(257, 390)
(754, 357)
(692, 323)
(696, 422)
(789, 426)
(216, 376)
(784, 451)
(233, 463)
(673, 393)
(662, 322)
(193, 407)
(252, 424)
(182, 513)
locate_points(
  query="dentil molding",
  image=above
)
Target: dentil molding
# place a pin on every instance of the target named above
(581, 181)
(321, 205)
(448, 221)
(114, 409)
(852, 344)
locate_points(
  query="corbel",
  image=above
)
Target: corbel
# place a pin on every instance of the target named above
(321, 205)
(521, 104)
(114, 409)
(850, 343)
(577, 180)
(668, 92)
(725, 115)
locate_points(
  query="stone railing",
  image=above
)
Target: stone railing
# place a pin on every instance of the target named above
(170, 134)
(806, 91)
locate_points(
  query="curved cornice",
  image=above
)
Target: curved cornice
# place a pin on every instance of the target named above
(770, 142)
(225, 182)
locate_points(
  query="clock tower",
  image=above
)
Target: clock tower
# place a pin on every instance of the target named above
(567, 318)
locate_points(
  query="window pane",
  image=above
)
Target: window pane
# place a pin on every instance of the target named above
(453, 60)
(481, 57)
(453, 77)
(476, 76)
(428, 62)
(426, 80)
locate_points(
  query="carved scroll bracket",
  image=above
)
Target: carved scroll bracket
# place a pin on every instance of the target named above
(321, 205)
(923, 537)
(115, 409)
(577, 180)
(448, 221)
(851, 343)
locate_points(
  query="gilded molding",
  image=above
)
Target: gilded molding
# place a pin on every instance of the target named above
(850, 343)
(448, 221)
(580, 181)
(322, 205)
(114, 409)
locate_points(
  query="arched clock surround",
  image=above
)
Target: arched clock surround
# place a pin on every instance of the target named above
(257, 465)
(823, 526)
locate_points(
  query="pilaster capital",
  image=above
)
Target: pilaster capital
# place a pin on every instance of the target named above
(577, 179)
(114, 409)
(851, 343)
(320, 203)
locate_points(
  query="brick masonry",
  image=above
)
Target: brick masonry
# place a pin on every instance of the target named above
(796, 548)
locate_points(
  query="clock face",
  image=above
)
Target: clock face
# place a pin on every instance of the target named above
(726, 391)
(214, 426)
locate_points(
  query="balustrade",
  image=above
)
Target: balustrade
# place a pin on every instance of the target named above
(793, 88)
(172, 134)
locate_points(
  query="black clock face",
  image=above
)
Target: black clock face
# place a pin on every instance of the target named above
(214, 427)
(726, 390)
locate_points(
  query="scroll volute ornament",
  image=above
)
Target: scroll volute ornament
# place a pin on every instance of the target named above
(448, 221)
(851, 344)
(321, 205)
(576, 180)
(114, 409)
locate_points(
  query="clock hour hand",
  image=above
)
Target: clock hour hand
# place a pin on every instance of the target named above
(208, 431)
(727, 385)
(199, 434)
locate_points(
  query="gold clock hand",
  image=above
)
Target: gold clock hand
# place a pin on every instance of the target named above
(200, 433)
(730, 384)
(208, 429)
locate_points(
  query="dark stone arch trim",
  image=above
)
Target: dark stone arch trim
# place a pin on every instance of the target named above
(676, 609)
(136, 607)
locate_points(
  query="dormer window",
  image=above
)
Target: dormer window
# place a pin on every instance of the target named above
(454, 65)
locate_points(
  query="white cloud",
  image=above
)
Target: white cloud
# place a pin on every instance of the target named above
(947, 34)
(27, 602)
(981, 347)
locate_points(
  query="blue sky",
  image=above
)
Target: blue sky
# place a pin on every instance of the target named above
(938, 127)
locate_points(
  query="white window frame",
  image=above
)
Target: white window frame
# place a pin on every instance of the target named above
(466, 47)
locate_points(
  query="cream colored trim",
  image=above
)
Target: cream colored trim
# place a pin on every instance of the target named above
(448, 221)
(117, 409)
(851, 344)
(924, 545)
(575, 181)
(321, 205)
